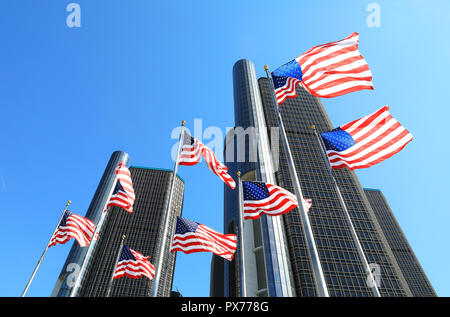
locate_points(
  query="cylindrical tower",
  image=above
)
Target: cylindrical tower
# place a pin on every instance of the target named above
(247, 149)
(73, 262)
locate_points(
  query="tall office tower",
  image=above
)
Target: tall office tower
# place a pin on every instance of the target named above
(265, 246)
(143, 230)
(417, 281)
(76, 255)
(276, 254)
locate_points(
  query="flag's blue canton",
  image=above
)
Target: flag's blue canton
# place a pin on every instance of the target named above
(188, 139)
(185, 225)
(291, 69)
(281, 74)
(63, 222)
(118, 188)
(126, 254)
(337, 140)
(279, 81)
(255, 190)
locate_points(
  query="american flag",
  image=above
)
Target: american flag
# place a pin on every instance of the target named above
(327, 70)
(366, 141)
(272, 200)
(123, 195)
(190, 237)
(73, 226)
(133, 264)
(193, 150)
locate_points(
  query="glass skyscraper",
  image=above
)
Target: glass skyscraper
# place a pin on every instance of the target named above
(143, 230)
(277, 260)
(410, 266)
(267, 257)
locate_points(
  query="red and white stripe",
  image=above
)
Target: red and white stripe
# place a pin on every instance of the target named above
(335, 68)
(217, 167)
(77, 227)
(279, 202)
(289, 90)
(125, 199)
(378, 136)
(135, 269)
(124, 176)
(205, 239)
(191, 154)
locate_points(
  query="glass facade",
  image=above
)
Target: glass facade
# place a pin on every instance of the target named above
(143, 230)
(216, 287)
(343, 270)
(266, 261)
(417, 281)
(76, 255)
(344, 273)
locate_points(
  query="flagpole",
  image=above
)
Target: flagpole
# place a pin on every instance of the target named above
(374, 288)
(319, 278)
(74, 290)
(45, 250)
(241, 236)
(108, 291)
(158, 267)
(175, 209)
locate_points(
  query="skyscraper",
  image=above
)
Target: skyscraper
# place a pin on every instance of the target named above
(410, 266)
(76, 255)
(269, 240)
(143, 232)
(265, 245)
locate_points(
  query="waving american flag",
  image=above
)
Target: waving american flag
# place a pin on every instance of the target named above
(327, 70)
(192, 152)
(261, 198)
(190, 237)
(123, 195)
(133, 264)
(366, 141)
(73, 226)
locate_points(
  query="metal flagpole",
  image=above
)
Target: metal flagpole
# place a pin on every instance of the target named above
(363, 258)
(158, 267)
(108, 291)
(74, 290)
(163, 290)
(45, 250)
(319, 278)
(241, 240)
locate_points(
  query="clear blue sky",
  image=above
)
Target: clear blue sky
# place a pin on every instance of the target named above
(125, 79)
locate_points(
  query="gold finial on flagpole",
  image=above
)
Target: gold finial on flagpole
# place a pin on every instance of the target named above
(266, 67)
(123, 237)
(239, 173)
(183, 123)
(313, 126)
